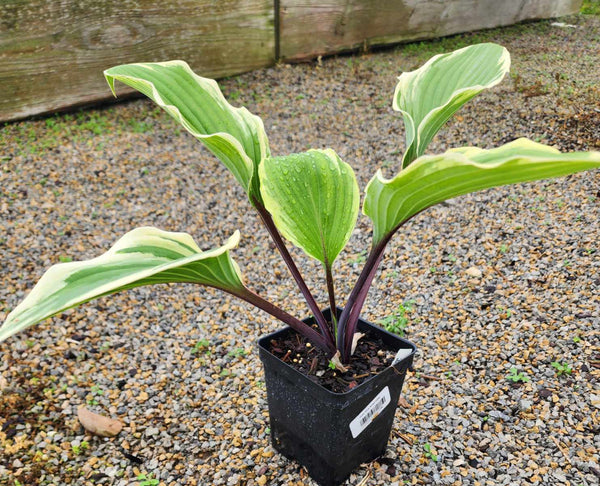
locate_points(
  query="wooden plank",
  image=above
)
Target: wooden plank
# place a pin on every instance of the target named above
(314, 27)
(53, 52)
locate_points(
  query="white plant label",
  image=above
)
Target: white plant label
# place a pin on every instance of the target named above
(370, 412)
(401, 354)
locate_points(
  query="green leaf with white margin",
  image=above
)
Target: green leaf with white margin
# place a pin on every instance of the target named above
(432, 179)
(313, 197)
(234, 135)
(143, 256)
(429, 96)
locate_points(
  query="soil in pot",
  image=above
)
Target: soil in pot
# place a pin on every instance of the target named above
(371, 356)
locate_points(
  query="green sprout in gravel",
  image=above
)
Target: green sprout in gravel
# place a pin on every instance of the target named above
(237, 353)
(78, 449)
(398, 321)
(516, 376)
(147, 480)
(562, 368)
(202, 346)
(428, 452)
(311, 198)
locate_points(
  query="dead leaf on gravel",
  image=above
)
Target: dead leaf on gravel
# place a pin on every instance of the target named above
(474, 272)
(98, 424)
(403, 402)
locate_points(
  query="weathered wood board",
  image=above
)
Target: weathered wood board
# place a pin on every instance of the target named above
(53, 52)
(313, 27)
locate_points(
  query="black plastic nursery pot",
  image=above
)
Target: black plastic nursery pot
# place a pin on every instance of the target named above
(328, 433)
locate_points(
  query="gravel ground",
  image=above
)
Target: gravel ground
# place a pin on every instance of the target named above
(178, 364)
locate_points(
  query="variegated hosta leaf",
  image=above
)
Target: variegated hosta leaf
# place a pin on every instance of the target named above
(234, 135)
(429, 96)
(432, 179)
(143, 256)
(313, 198)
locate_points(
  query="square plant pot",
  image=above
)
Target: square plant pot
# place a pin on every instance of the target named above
(328, 433)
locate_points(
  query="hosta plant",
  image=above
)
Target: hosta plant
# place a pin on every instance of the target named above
(310, 199)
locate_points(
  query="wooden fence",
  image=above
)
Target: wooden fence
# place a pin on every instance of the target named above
(344, 25)
(53, 52)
